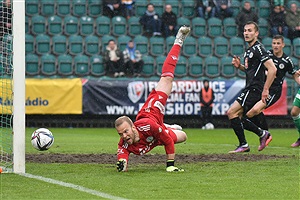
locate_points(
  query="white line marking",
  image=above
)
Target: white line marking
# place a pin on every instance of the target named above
(73, 186)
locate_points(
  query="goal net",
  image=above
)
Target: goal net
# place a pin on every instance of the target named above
(12, 76)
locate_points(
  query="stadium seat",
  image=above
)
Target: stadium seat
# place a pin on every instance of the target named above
(236, 7)
(70, 25)
(122, 41)
(54, 25)
(140, 7)
(296, 47)
(189, 47)
(48, 64)
(220, 46)
(198, 27)
(27, 25)
(237, 46)
(95, 8)
(149, 66)
(212, 68)
(97, 67)
(169, 42)
(63, 8)
(119, 26)
(141, 43)
(157, 46)
(134, 26)
(181, 69)
(188, 8)
(43, 44)
(195, 66)
(263, 8)
(65, 65)
(92, 46)
(263, 27)
(59, 44)
(81, 65)
(38, 24)
(48, 7)
(205, 46)
(75, 44)
(86, 25)
(32, 64)
(183, 21)
(32, 7)
(175, 6)
(29, 44)
(79, 8)
(214, 27)
(159, 61)
(102, 25)
(227, 69)
(230, 27)
(288, 47)
(295, 61)
(267, 42)
(159, 6)
(104, 41)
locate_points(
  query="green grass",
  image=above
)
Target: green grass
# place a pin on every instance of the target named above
(266, 179)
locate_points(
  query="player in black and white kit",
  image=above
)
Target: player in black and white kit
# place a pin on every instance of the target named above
(257, 60)
(284, 65)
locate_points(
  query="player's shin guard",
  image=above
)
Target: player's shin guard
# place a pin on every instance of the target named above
(168, 68)
(297, 123)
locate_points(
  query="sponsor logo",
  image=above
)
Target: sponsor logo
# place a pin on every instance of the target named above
(135, 91)
(281, 66)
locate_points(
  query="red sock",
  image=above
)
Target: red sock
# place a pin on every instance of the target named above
(171, 61)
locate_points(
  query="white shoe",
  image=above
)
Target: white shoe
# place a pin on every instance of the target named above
(121, 74)
(116, 74)
(174, 126)
(183, 32)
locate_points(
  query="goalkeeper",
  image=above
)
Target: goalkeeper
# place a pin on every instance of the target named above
(149, 130)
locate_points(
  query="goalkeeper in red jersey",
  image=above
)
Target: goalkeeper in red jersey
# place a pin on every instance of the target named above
(149, 130)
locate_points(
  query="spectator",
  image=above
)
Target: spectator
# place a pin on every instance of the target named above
(206, 100)
(277, 23)
(279, 3)
(293, 21)
(133, 60)
(206, 8)
(151, 22)
(129, 8)
(245, 15)
(113, 59)
(113, 8)
(223, 8)
(169, 21)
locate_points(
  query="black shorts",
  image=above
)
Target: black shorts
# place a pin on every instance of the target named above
(248, 98)
(273, 97)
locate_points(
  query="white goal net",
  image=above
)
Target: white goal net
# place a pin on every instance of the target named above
(12, 86)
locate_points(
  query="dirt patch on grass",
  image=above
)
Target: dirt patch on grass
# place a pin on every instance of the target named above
(145, 159)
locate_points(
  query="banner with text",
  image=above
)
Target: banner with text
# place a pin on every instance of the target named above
(127, 97)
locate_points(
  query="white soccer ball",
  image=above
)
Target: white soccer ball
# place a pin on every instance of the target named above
(42, 139)
(209, 126)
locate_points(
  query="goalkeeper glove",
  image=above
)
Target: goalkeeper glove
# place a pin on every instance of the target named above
(121, 165)
(171, 168)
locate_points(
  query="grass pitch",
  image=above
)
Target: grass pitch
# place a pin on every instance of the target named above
(264, 179)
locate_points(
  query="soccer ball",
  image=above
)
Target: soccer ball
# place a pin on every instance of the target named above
(42, 139)
(209, 126)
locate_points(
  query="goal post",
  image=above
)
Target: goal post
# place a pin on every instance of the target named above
(18, 86)
(12, 86)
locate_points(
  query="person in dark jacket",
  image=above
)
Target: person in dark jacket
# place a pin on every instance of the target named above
(113, 8)
(206, 8)
(245, 16)
(223, 8)
(169, 21)
(151, 22)
(277, 23)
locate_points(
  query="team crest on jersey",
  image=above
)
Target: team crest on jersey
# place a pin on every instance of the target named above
(281, 66)
(149, 139)
(135, 90)
(251, 55)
